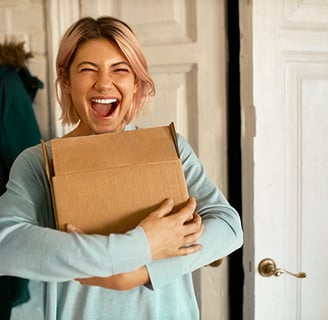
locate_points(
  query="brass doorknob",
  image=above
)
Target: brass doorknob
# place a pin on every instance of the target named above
(216, 263)
(267, 268)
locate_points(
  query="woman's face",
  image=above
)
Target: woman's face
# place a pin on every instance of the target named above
(101, 85)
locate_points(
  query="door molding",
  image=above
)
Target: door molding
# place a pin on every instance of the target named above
(59, 15)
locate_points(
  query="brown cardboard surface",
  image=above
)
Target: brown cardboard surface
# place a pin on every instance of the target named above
(110, 182)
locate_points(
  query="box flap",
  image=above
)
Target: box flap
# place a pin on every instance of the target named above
(149, 145)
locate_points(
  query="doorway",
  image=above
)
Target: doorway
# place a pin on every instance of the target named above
(236, 274)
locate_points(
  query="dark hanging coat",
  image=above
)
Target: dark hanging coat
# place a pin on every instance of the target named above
(18, 130)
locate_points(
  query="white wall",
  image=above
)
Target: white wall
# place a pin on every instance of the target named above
(24, 20)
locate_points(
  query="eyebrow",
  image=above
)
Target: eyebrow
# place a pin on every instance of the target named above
(95, 65)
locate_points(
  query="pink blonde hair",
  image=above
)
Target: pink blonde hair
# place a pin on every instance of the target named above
(117, 32)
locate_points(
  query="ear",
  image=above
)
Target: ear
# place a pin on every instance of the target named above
(135, 87)
(66, 85)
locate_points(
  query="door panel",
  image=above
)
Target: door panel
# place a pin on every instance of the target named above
(307, 204)
(286, 44)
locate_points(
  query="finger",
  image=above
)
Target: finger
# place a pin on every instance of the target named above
(165, 208)
(196, 218)
(82, 282)
(193, 226)
(191, 207)
(193, 237)
(186, 212)
(86, 281)
(71, 228)
(191, 204)
(184, 251)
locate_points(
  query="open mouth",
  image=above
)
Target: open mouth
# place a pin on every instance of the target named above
(104, 107)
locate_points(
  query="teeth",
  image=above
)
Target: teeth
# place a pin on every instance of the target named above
(104, 101)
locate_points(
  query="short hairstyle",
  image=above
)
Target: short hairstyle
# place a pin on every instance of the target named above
(118, 33)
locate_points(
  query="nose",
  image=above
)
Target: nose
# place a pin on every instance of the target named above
(104, 82)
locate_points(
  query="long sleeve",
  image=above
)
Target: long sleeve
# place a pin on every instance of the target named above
(31, 248)
(222, 234)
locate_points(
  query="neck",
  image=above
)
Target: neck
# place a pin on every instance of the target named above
(82, 130)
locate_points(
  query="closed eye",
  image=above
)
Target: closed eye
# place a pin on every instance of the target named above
(121, 70)
(121, 67)
(87, 66)
(88, 70)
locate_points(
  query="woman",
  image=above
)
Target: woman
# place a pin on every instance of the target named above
(145, 273)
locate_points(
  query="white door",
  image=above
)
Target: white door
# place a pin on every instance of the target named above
(185, 45)
(284, 72)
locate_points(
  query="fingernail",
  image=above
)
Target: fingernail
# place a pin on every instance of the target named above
(70, 227)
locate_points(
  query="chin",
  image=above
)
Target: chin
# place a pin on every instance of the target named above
(106, 129)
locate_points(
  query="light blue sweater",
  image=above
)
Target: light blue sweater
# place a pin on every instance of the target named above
(31, 248)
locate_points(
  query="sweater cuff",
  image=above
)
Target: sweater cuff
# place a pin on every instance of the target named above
(158, 271)
(129, 251)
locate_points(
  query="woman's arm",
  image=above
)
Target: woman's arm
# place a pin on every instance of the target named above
(31, 249)
(222, 233)
(126, 281)
(122, 281)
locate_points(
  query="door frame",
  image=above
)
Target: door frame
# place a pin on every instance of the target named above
(248, 133)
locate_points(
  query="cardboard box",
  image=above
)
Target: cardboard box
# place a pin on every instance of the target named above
(108, 183)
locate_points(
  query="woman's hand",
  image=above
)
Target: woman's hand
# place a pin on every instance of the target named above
(174, 234)
(168, 234)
